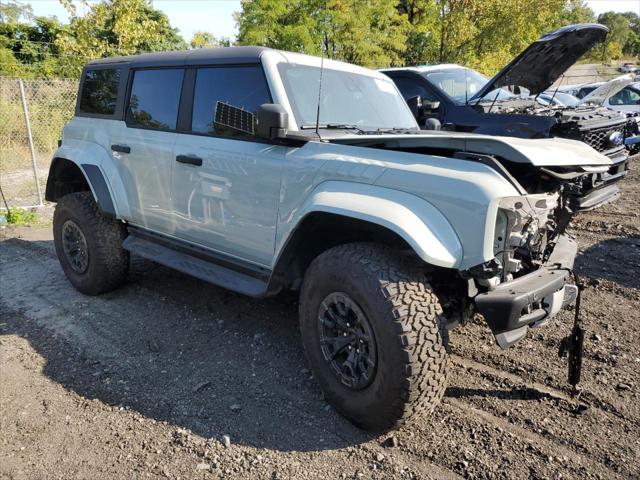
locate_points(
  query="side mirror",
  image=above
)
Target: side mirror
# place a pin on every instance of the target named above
(272, 120)
(432, 124)
(430, 106)
(415, 105)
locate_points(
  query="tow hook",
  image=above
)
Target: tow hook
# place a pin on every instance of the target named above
(573, 345)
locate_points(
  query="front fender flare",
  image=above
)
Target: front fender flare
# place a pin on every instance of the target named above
(417, 221)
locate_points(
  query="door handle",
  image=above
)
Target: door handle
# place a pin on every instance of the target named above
(190, 159)
(121, 148)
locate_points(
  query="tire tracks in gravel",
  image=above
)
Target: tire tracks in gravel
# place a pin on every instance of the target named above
(40, 292)
(549, 446)
(534, 412)
(29, 260)
(589, 399)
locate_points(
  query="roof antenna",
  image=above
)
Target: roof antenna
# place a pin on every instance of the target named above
(324, 34)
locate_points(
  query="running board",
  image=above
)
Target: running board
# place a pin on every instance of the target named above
(196, 267)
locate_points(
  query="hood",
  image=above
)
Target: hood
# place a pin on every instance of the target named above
(600, 94)
(546, 59)
(541, 152)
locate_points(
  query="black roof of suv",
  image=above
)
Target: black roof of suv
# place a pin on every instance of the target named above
(226, 55)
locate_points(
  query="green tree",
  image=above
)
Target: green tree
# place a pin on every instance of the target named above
(619, 33)
(575, 11)
(632, 47)
(371, 33)
(30, 41)
(119, 27)
(484, 34)
(619, 26)
(208, 40)
(45, 47)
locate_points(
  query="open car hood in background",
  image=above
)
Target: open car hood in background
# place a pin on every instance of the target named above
(613, 86)
(546, 59)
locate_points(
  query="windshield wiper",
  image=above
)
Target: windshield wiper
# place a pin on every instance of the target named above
(333, 126)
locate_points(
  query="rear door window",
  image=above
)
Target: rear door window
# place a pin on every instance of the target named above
(243, 87)
(626, 96)
(100, 91)
(155, 98)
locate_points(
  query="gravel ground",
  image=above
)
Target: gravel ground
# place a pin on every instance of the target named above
(170, 377)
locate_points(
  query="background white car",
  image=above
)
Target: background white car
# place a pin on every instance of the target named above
(627, 68)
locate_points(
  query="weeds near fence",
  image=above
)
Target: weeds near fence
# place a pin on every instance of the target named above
(51, 104)
(21, 216)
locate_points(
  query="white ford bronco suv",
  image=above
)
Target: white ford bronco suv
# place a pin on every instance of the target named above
(259, 170)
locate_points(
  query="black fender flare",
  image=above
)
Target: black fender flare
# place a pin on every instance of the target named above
(93, 177)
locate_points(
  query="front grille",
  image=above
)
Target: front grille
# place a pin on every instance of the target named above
(598, 138)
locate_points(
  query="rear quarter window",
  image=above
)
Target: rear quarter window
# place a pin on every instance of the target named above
(99, 93)
(155, 98)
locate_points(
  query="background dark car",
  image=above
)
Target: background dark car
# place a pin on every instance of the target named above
(462, 99)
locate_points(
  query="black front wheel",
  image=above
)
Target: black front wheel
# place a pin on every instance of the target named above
(89, 244)
(374, 335)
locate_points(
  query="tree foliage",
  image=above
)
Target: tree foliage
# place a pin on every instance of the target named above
(624, 34)
(481, 33)
(208, 40)
(484, 34)
(45, 47)
(369, 33)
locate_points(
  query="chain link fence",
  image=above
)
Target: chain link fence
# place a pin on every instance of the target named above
(32, 114)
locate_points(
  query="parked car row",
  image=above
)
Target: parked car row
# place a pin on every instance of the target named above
(228, 165)
(628, 68)
(519, 101)
(621, 94)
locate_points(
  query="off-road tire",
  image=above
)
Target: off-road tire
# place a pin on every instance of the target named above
(406, 317)
(108, 262)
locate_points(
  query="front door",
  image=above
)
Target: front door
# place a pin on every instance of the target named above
(226, 183)
(143, 146)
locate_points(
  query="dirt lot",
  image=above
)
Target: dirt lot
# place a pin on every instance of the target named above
(146, 381)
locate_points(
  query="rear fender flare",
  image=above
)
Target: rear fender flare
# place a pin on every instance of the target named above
(101, 174)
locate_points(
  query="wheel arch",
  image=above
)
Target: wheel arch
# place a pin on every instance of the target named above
(67, 176)
(341, 212)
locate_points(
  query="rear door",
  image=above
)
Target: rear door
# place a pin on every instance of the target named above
(143, 145)
(226, 181)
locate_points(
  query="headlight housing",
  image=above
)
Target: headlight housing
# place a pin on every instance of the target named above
(521, 232)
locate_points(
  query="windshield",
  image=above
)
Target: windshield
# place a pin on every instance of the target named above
(463, 83)
(558, 99)
(348, 98)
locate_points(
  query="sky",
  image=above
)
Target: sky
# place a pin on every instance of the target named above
(216, 16)
(188, 16)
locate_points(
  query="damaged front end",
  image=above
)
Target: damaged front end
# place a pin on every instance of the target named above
(527, 282)
(588, 187)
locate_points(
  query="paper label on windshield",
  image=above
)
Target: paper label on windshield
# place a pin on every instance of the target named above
(385, 86)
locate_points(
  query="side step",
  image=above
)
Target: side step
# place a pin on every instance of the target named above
(196, 267)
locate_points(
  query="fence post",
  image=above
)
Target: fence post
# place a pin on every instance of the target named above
(30, 137)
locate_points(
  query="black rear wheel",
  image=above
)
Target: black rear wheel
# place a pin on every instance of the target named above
(89, 244)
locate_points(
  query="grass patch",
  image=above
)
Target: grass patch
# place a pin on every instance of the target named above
(20, 216)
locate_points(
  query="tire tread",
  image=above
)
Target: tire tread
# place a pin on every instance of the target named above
(419, 325)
